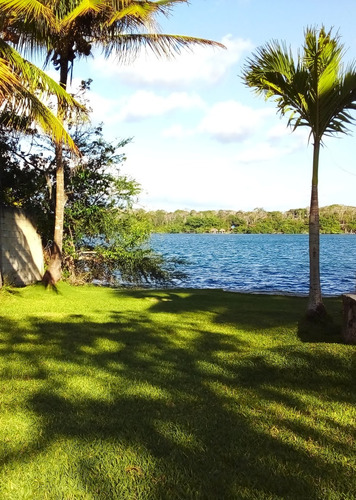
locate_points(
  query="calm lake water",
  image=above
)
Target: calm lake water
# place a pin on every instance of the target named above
(273, 263)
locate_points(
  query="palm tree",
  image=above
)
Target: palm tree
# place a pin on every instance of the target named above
(317, 92)
(122, 27)
(23, 86)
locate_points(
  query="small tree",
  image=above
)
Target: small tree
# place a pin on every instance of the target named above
(316, 92)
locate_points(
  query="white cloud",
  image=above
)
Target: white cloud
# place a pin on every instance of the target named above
(178, 131)
(231, 121)
(200, 64)
(279, 142)
(144, 104)
(104, 109)
(141, 105)
(260, 152)
(278, 133)
(205, 181)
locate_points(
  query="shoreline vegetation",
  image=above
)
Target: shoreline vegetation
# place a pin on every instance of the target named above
(334, 219)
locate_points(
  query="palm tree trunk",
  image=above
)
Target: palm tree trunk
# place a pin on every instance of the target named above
(54, 271)
(315, 304)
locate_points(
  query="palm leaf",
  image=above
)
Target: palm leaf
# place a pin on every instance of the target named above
(84, 8)
(28, 9)
(126, 14)
(36, 79)
(8, 80)
(310, 90)
(23, 85)
(127, 46)
(25, 103)
(337, 105)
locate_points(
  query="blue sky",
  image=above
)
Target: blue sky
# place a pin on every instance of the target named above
(201, 139)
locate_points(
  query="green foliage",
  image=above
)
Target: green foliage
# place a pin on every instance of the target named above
(104, 239)
(333, 219)
(330, 224)
(197, 223)
(119, 255)
(25, 178)
(314, 90)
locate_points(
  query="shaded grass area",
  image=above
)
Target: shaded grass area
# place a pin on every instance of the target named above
(189, 394)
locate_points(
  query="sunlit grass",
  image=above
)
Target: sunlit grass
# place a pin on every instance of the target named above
(172, 394)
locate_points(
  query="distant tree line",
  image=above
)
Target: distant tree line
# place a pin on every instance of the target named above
(334, 219)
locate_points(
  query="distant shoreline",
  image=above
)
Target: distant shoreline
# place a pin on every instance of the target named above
(334, 219)
(229, 233)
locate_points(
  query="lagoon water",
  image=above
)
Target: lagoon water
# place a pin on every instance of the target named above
(261, 263)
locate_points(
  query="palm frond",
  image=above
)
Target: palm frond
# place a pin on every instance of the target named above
(84, 8)
(123, 15)
(26, 104)
(8, 80)
(338, 105)
(135, 15)
(270, 70)
(23, 85)
(273, 73)
(165, 6)
(36, 79)
(320, 50)
(313, 91)
(28, 9)
(126, 47)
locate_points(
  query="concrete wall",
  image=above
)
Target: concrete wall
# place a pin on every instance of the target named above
(349, 326)
(21, 255)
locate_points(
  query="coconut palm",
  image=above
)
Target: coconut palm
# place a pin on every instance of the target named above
(317, 92)
(23, 87)
(120, 27)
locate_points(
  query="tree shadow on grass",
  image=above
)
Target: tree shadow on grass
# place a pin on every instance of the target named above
(325, 331)
(261, 312)
(147, 411)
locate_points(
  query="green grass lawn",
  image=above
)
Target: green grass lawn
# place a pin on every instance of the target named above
(109, 394)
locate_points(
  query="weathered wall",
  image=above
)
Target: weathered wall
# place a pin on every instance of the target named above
(21, 255)
(349, 327)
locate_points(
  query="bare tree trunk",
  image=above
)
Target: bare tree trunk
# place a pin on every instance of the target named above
(315, 304)
(54, 271)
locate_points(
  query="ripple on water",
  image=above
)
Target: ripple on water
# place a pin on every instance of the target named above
(261, 263)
